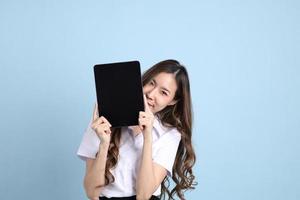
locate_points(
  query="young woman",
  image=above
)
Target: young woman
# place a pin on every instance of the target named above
(136, 162)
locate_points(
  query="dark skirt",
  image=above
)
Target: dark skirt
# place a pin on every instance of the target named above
(126, 198)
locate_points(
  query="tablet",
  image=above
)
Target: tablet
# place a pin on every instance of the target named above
(119, 92)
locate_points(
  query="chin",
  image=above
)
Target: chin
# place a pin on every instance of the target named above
(152, 110)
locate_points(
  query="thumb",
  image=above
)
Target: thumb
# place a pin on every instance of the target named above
(96, 113)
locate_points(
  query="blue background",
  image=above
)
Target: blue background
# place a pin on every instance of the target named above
(243, 61)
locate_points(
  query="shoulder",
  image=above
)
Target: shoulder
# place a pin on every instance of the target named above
(166, 146)
(164, 131)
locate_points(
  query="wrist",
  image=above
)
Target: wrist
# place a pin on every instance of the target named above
(104, 145)
(147, 137)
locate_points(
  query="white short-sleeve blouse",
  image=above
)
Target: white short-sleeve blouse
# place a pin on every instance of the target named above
(164, 148)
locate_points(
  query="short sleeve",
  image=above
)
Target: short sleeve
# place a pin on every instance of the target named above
(166, 149)
(89, 145)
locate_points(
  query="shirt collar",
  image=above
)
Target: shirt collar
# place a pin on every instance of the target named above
(159, 127)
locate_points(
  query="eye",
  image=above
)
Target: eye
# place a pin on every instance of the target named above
(164, 93)
(151, 83)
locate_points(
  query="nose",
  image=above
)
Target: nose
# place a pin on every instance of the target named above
(151, 93)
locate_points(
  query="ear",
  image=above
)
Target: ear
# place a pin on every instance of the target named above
(173, 102)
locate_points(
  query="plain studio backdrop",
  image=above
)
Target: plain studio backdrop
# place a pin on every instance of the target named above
(242, 58)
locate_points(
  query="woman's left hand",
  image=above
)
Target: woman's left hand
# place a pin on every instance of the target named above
(146, 120)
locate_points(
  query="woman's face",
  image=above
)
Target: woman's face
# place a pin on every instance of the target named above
(160, 91)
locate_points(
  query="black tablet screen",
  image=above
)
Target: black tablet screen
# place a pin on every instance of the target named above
(119, 92)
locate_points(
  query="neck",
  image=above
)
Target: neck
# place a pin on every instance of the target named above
(135, 130)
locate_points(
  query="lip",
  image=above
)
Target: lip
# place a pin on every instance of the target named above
(150, 104)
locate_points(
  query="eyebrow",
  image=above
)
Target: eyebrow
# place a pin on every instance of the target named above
(162, 87)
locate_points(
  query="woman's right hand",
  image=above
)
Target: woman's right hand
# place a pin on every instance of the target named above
(101, 126)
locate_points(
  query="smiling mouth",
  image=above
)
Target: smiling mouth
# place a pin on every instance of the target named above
(150, 105)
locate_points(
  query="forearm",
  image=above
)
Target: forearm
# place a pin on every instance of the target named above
(146, 179)
(95, 177)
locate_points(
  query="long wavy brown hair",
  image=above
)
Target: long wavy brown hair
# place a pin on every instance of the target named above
(178, 115)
